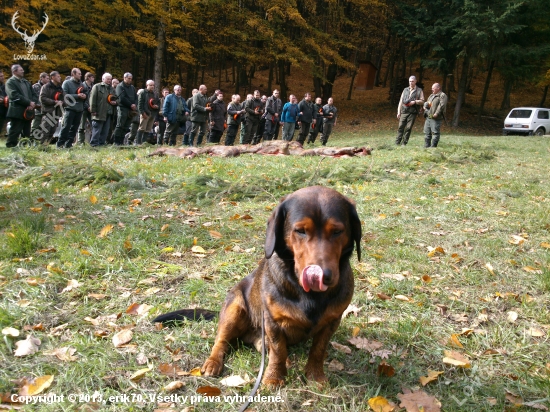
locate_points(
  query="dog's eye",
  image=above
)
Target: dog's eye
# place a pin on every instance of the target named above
(337, 232)
(300, 230)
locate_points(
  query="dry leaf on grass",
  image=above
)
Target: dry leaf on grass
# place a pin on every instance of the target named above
(351, 309)
(454, 341)
(96, 296)
(432, 376)
(137, 309)
(10, 332)
(364, 343)
(172, 386)
(209, 391)
(233, 381)
(456, 359)
(385, 369)
(381, 404)
(64, 354)
(71, 284)
(105, 231)
(122, 337)
(335, 366)
(215, 235)
(512, 316)
(36, 386)
(537, 333)
(27, 346)
(138, 375)
(373, 319)
(419, 401)
(435, 251)
(341, 348)
(170, 369)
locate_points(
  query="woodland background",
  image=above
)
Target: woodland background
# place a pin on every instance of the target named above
(228, 44)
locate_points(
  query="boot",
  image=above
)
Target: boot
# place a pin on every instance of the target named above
(139, 138)
(427, 142)
(435, 141)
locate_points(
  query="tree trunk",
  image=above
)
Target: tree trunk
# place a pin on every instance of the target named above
(543, 100)
(159, 54)
(389, 71)
(220, 73)
(270, 78)
(327, 86)
(486, 88)
(282, 80)
(461, 89)
(506, 98)
(351, 84)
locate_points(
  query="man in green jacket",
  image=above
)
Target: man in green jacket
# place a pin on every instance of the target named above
(22, 102)
(148, 107)
(199, 115)
(434, 112)
(127, 107)
(102, 107)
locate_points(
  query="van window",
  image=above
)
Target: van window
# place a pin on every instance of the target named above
(543, 114)
(520, 114)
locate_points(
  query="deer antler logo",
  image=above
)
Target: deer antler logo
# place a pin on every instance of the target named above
(29, 40)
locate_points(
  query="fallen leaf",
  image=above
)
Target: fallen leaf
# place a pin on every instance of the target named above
(364, 343)
(93, 199)
(537, 333)
(36, 386)
(514, 399)
(97, 296)
(385, 369)
(383, 296)
(453, 341)
(127, 245)
(233, 381)
(456, 359)
(209, 391)
(536, 405)
(351, 309)
(138, 375)
(122, 337)
(490, 268)
(341, 348)
(516, 240)
(436, 251)
(64, 354)
(170, 369)
(195, 372)
(419, 401)
(72, 284)
(397, 276)
(151, 291)
(531, 269)
(426, 278)
(381, 404)
(172, 386)
(137, 309)
(402, 298)
(545, 245)
(215, 235)
(105, 231)
(432, 376)
(355, 331)
(36, 209)
(10, 332)
(512, 316)
(198, 249)
(27, 346)
(141, 359)
(373, 319)
(167, 249)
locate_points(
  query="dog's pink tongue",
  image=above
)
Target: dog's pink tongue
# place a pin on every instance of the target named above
(312, 279)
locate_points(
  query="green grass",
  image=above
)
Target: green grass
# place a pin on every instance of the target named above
(470, 196)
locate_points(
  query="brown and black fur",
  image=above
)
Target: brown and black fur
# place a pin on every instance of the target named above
(312, 226)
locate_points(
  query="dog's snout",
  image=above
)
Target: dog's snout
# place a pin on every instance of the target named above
(327, 276)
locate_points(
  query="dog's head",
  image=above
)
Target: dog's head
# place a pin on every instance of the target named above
(317, 228)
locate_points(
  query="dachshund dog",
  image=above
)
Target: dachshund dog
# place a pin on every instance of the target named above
(301, 287)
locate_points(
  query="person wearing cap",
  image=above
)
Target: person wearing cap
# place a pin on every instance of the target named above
(308, 117)
(103, 108)
(316, 127)
(175, 112)
(254, 111)
(235, 114)
(160, 117)
(74, 100)
(22, 101)
(217, 119)
(330, 114)
(199, 115)
(412, 99)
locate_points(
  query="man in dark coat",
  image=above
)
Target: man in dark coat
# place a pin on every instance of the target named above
(86, 113)
(273, 109)
(3, 105)
(51, 99)
(22, 102)
(217, 119)
(103, 108)
(199, 115)
(317, 127)
(308, 116)
(74, 98)
(409, 105)
(127, 107)
(148, 107)
(44, 79)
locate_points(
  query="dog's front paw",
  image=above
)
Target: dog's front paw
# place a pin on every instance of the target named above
(212, 367)
(317, 374)
(273, 383)
(274, 377)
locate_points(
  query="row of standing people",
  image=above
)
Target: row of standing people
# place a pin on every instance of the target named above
(112, 105)
(259, 117)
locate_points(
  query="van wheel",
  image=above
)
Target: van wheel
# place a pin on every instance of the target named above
(540, 131)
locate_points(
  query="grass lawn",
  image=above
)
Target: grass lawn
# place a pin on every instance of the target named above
(455, 275)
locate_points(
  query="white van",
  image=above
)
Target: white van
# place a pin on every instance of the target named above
(527, 120)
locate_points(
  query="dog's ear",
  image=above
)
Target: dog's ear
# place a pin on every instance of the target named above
(355, 224)
(275, 228)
